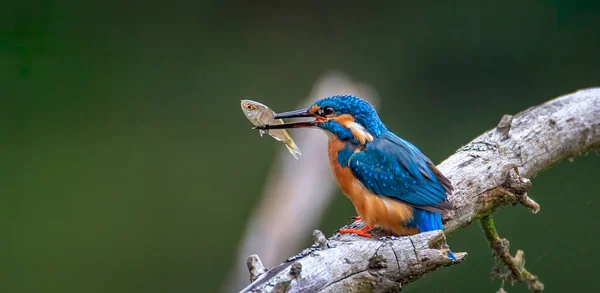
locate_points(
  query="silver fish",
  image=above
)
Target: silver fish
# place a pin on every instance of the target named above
(261, 115)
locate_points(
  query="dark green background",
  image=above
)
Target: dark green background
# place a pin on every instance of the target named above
(127, 165)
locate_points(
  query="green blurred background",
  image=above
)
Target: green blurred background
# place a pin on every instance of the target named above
(127, 165)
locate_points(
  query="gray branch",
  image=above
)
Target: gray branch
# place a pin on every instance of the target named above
(490, 172)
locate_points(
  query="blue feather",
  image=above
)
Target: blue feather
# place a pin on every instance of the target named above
(389, 155)
(340, 131)
(362, 112)
(428, 221)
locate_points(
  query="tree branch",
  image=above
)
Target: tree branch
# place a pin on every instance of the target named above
(488, 173)
(515, 265)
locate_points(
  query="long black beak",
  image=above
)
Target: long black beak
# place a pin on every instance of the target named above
(287, 125)
(291, 114)
(294, 114)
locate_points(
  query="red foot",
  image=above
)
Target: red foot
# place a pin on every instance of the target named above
(362, 232)
(357, 218)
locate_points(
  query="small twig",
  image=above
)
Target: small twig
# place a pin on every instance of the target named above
(529, 203)
(320, 239)
(515, 265)
(255, 267)
(503, 127)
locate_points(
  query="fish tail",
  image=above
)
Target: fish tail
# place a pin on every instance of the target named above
(283, 136)
(293, 148)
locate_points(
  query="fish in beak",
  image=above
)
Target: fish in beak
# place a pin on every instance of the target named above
(291, 114)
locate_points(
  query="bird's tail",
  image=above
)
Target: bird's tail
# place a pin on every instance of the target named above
(429, 221)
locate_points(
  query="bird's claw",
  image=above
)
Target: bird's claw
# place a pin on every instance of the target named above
(362, 232)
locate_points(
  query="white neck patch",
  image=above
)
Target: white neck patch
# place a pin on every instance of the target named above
(359, 132)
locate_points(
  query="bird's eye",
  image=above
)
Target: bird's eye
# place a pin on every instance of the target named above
(328, 110)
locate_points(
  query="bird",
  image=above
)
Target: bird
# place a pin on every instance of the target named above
(389, 181)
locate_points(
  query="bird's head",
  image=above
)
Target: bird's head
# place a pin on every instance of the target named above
(344, 116)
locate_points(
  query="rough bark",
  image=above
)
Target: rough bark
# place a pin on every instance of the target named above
(490, 172)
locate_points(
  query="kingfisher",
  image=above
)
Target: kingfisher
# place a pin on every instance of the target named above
(389, 181)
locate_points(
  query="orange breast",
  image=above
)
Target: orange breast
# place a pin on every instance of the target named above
(375, 210)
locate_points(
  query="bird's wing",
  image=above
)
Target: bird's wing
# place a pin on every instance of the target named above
(391, 166)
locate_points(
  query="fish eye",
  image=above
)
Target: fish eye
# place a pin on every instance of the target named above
(249, 107)
(328, 110)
